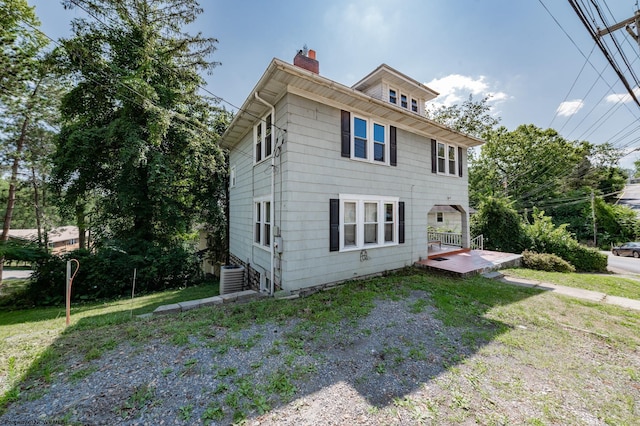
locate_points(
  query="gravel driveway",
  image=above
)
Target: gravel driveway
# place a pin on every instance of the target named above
(271, 374)
(398, 365)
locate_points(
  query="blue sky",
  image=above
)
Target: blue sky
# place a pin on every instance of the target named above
(511, 50)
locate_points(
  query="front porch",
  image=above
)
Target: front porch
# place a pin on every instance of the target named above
(446, 255)
(467, 262)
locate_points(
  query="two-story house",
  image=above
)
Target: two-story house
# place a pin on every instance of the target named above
(330, 183)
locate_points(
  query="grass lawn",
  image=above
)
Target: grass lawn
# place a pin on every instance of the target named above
(610, 284)
(511, 355)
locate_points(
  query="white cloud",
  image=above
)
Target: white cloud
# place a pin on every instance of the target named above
(569, 108)
(622, 97)
(456, 88)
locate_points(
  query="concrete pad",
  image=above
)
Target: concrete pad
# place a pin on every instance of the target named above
(229, 298)
(624, 302)
(519, 282)
(190, 304)
(493, 275)
(167, 309)
(246, 295)
(210, 301)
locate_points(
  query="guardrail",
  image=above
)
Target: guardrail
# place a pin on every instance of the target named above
(477, 243)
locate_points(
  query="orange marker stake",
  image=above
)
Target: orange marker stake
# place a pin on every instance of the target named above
(69, 282)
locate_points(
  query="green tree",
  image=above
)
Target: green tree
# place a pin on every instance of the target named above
(471, 117)
(500, 224)
(137, 152)
(27, 99)
(528, 165)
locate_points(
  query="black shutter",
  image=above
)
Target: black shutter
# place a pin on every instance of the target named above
(334, 224)
(346, 133)
(401, 222)
(393, 157)
(459, 161)
(434, 156)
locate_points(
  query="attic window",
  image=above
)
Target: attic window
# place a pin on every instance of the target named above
(403, 101)
(414, 105)
(393, 96)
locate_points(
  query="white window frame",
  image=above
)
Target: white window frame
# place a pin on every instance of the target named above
(370, 140)
(232, 177)
(397, 95)
(261, 138)
(406, 100)
(262, 221)
(417, 104)
(447, 169)
(360, 201)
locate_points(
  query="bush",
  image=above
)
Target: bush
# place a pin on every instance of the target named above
(108, 273)
(545, 262)
(545, 237)
(500, 225)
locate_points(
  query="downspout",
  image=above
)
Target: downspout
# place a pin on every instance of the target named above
(273, 190)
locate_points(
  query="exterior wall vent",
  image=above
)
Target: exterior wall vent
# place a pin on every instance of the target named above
(231, 279)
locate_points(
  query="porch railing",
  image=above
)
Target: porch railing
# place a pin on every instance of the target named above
(477, 243)
(446, 238)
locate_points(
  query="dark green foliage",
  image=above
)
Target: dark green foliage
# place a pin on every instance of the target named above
(108, 273)
(21, 251)
(545, 237)
(138, 149)
(500, 224)
(545, 262)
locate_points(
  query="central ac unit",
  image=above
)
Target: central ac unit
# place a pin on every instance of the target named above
(231, 279)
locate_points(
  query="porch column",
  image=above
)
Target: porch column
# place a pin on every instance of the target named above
(466, 231)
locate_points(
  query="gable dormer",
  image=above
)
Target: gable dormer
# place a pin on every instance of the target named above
(386, 84)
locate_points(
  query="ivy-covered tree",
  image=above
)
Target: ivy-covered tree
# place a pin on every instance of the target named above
(137, 153)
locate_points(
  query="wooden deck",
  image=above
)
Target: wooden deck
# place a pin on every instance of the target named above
(464, 262)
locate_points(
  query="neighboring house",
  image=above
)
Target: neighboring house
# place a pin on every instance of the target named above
(61, 239)
(330, 183)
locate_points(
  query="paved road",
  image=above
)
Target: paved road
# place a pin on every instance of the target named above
(7, 275)
(631, 197)
(627, 265)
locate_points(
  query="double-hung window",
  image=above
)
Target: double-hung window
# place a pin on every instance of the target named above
(414, 105)
(451, 150)
(368, 221)
(262, 138)
(370, 140)
(360, 141)
(262, 222)
(447, 159)
(393, 96)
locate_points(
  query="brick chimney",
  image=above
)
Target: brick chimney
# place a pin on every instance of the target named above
(307, 60)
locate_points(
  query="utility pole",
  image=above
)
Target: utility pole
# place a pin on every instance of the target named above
(627, 23)
(593, 217)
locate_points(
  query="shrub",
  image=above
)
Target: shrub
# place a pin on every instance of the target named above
(545, 262)
(108, 273)
(545, 237)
